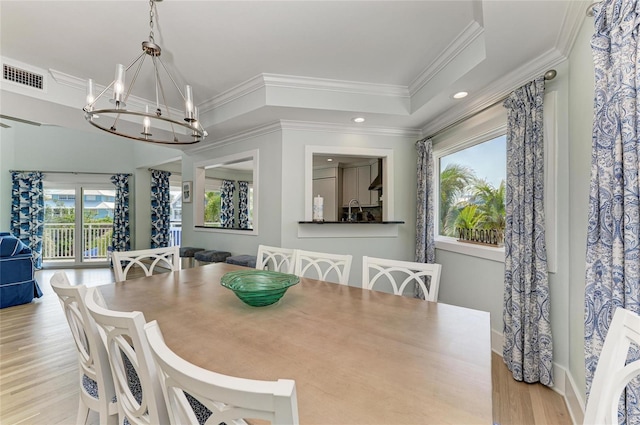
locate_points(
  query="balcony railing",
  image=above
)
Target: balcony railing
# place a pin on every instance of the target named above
(59, 238)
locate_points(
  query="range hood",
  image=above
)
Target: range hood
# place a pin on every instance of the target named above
(376, 184)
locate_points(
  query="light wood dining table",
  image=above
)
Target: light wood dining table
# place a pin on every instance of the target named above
(357, 356)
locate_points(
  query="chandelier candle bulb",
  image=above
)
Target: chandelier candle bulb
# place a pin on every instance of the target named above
(118, 85)
(146, 123)
(189, 113)
(318, 208)
(90, 93)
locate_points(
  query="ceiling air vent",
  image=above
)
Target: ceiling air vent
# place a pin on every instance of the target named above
(20, 76)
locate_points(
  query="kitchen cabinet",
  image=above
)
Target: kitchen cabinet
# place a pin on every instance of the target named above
(355, 185)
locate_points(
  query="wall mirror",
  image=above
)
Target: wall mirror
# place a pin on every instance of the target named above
(226, 193)
(354, 183)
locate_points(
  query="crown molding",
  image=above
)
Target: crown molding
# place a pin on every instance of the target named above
(326, 84)
(498, 90)
(266, 80)
(342, 128)
(70, 80)
(461, 42)
(234, 93)
(262, 130)
(283, 125)
(574, 16)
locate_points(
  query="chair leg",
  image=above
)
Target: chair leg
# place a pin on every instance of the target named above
(83, 413)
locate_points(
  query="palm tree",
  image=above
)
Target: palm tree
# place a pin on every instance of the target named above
(469, 217)
(454, 181)
(490, 203)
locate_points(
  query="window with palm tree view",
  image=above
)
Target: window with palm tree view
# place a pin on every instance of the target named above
(472, 190)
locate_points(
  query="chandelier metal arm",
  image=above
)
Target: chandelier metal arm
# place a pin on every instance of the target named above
(171, 78)
(173, 130)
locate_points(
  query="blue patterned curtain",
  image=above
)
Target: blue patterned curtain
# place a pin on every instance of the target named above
(613, 235)
(528, 347)
(121, 235)
(27, 211)
(425, 244)
(160, 209)
(227, 209)
(243, 205)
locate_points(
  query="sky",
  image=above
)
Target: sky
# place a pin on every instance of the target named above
(488, 159)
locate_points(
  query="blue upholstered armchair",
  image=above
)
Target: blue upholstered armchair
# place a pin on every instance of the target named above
(17, 281)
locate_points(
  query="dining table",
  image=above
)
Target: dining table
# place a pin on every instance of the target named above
(357, 356)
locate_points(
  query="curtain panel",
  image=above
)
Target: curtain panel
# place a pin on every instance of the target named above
(121, 240)
(227, 209)
(243, 204)
(27, 211)
(613, 233)
(528, 347)
(160, 209)
(425, 240)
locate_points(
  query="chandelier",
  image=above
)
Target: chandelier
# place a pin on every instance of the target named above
(132, 119)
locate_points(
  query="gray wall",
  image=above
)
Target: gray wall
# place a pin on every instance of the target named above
(401, 247)
(50, 148)
(269, 194)
(581, 93)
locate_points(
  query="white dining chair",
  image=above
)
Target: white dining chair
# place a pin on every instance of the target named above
(222, 398)
(138, 391)
(323, 266)
(145, 259)
(613, 373)
(276, 259)
(397, 275)
(97, 391)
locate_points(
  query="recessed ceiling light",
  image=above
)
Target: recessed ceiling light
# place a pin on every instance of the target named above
(460, 95)
(358, 120)
(329, 159)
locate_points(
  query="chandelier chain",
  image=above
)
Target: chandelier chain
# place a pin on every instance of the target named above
(151, 4)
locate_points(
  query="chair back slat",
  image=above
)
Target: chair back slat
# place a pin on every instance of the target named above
(146, 260)
(97, 390)
(275, 259)
(220, 398)
(399, 274)
(617, 366)
(323, 266)
(140, 399)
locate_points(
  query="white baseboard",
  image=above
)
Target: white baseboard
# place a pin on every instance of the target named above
(563, 383)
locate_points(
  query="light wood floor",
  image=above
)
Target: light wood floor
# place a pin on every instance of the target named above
(39, 370)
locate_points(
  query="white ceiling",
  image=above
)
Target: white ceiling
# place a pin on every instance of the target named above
(252, 63)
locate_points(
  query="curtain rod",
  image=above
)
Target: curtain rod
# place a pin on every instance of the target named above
(65, 172)
(549, 75)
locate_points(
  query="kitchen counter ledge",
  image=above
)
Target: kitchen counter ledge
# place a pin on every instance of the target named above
(351, 222)
(349, 229)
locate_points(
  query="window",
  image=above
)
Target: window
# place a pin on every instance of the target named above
(212, 202)
(472, 189)
(208, 210)
(469, 168)
(78, 222)
(470, 142)
(175, 209)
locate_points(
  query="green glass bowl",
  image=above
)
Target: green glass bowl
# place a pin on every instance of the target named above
(258, 288)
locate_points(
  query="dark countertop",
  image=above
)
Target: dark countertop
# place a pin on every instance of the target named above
(351, 222)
